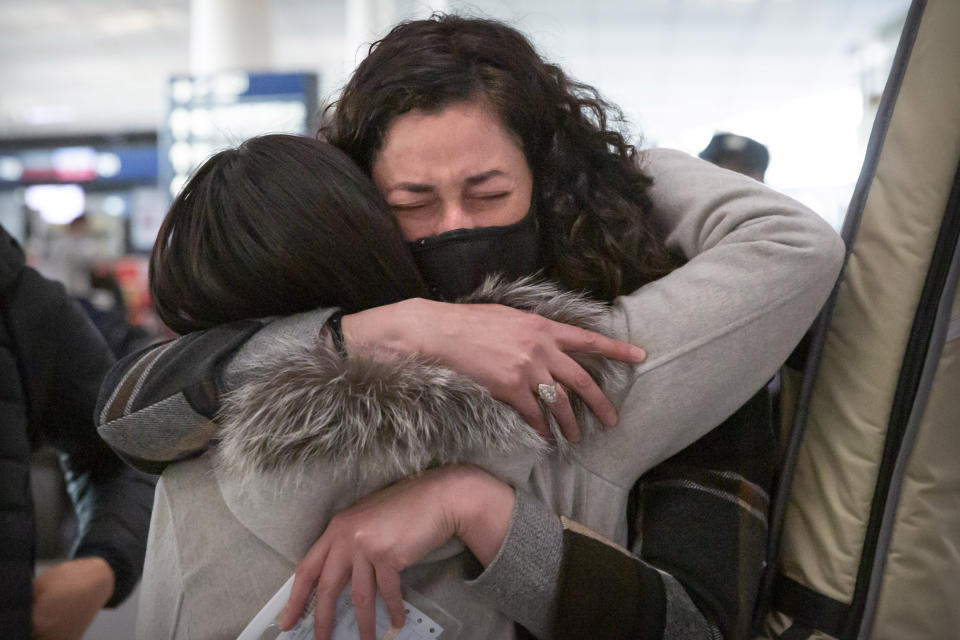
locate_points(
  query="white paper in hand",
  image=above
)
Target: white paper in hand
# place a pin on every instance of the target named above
(265, 625)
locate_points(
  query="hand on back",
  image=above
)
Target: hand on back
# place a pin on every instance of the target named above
(370, 543)
(508, 351)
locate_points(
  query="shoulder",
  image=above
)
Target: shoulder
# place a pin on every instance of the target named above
(660, 161)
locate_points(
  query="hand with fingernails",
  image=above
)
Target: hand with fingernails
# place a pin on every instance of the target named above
(369, 544)
(519, 357)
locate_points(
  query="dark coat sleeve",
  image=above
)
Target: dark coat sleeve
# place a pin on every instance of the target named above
(63, 359)
(157, 406)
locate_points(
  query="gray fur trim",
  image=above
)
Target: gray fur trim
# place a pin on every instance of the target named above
(543, 298)
(385, 416)
(361, 413)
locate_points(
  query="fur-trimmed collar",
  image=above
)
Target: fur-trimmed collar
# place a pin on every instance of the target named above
(389, 416)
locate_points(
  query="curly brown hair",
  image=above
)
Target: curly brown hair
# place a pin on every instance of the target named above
(589, 193)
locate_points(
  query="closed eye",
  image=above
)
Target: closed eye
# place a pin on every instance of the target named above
(491, 196)
(410, 206)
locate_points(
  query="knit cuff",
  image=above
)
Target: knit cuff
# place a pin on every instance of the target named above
(521, 581)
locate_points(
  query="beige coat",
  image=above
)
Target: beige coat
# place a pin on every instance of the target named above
(715, 331)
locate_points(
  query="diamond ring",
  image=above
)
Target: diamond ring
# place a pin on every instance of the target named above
(547, 392)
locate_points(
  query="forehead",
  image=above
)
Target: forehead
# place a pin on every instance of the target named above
(456, 142)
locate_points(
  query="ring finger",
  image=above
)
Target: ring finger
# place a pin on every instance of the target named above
(554, 399)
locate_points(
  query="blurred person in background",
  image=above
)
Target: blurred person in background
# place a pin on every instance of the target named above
(70, 255)
(78, 259)
(738, 153)
(52, 361)
(105, 305)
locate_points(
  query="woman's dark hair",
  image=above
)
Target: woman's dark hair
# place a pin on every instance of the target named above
(589, 193)
(279, 225)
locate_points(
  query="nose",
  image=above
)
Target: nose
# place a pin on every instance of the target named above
(454, 217)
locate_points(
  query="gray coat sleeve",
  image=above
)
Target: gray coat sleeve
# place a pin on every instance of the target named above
(521, 581)
(718, 328)
(715, 331)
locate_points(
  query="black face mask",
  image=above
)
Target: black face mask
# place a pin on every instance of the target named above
(455, 263)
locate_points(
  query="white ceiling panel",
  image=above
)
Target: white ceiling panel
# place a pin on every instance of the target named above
(101, 65)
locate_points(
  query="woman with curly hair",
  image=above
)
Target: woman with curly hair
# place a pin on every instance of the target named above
(493, 162)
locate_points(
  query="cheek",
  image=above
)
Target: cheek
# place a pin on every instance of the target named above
(522, 202)
(415, 228)
(515, 212)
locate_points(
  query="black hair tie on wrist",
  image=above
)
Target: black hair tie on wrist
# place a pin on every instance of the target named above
(336, 332)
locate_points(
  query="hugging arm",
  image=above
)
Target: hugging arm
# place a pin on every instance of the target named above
(715, 329)
(160, 405)
(693, 572)
(718, 328)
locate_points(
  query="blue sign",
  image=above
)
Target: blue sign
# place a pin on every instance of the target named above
(210, 113)
(94, 165)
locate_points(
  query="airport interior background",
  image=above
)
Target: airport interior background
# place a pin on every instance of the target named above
(107, 105)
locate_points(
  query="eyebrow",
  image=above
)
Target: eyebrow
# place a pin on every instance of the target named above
(417, 187)
(413, 187)
(482, 177)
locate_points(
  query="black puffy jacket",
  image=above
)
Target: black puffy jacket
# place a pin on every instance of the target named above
(52, 361)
